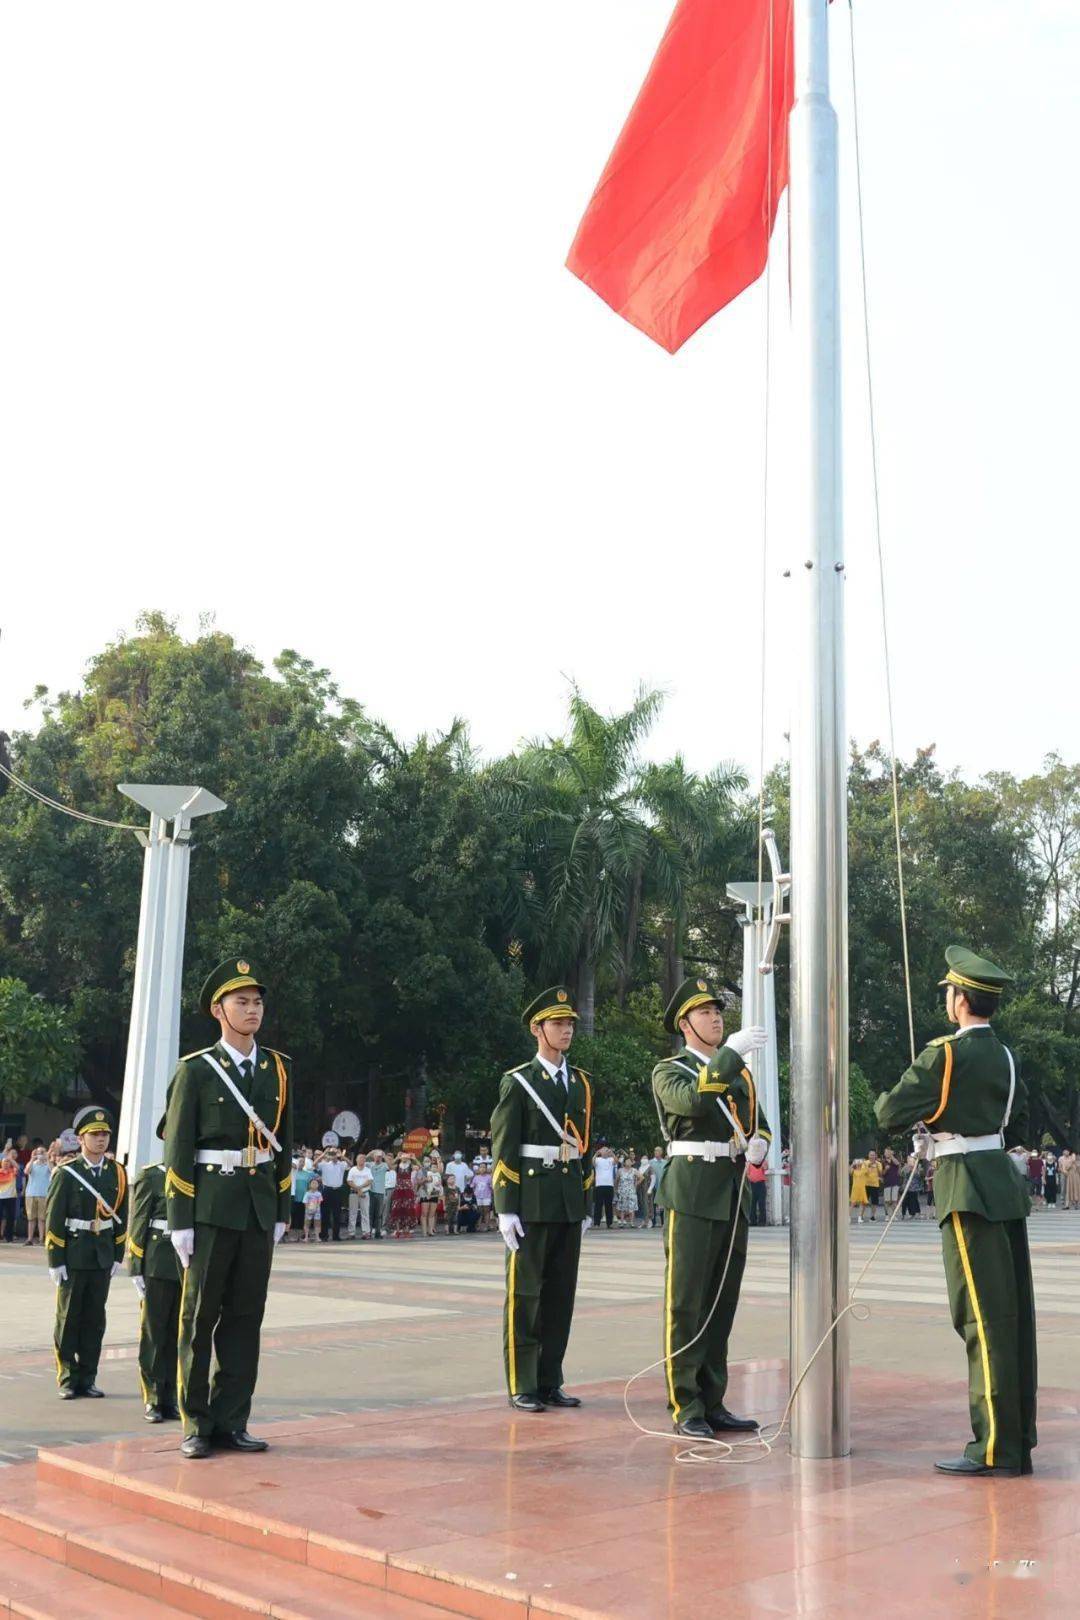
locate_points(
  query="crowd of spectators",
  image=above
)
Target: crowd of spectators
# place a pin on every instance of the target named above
(338, 1196)
(877, 1181)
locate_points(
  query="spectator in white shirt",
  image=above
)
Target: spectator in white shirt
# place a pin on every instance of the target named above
(460, 1171)
(331, 1168)
(359, 1180)
(603, 1186)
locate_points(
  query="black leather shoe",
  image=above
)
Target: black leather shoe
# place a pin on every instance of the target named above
(196, 1445)
(1025, 1466)
(694, 1429)
(968, 1469)
(70, 1394)
(240, 1441)
(558, 1397)
(92, 1393)
(171, 1414)
(526, 1403)
(153, 1414)
(722, 1419)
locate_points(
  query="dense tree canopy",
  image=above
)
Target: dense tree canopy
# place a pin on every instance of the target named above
(405, 898)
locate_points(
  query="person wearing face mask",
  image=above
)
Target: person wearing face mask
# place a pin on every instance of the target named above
(707, 1105)
(85, 1232)
(540, 1133)
(228, 1176)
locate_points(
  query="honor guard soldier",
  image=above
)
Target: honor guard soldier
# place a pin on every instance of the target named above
(85, 1232)
(707, 1105)
(155, 1270)
(965, 1089)
(228, 1173)
(540, 1144)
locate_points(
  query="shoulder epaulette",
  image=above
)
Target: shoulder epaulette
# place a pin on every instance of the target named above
(939, 1040)
(157, 1165)
(189, 1055)
(275, 1053)
(586, 1072)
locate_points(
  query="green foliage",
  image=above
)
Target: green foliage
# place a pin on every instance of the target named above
(38, 1047)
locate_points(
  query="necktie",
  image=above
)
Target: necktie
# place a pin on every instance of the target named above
(247, 1069)
(560, 1077)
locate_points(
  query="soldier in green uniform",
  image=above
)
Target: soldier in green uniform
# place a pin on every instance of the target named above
(156, 1272)
(228, 1172)
(964, 1088)
(85, 1231)
(707, 1105)
(540, 1144)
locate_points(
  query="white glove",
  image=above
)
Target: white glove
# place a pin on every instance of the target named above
(757, 1150)
(748, 1040)
(183, 1242)
(279, 1231)
(139, 1285)
(512, 1231)
(58, 1274)
(586, 1223)
(118, 1266)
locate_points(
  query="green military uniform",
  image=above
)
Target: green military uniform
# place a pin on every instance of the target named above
(152, 1257)
(85, 1231)
(225, 1179)
(548, 1192)
(964, 1088)
(700, 1193)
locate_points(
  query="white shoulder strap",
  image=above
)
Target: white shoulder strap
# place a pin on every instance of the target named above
(1012, 1089)
(242, 1100)
(543, 1107)
(93, 1192)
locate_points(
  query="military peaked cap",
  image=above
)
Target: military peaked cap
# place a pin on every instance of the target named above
(970, 972)
(235, 974)
(690, 994)
(553, 1003)
(93, 1118)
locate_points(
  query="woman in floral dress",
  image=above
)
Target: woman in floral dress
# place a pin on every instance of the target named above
(404, 1207)
(625, 1193)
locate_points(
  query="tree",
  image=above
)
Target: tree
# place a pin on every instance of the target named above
(38, 1046)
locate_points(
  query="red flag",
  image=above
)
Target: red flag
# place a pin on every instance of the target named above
(680, 222)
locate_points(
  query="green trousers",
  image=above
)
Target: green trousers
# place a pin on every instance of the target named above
(541, 1281)
(159, 1327)
(988, 1271)
(696, 1250)
(222, 1299)
(80, 1327)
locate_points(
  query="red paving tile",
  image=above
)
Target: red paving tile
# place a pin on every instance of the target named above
(578, 1515)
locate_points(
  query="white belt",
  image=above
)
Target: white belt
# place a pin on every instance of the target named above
(75, 1225)
(709, 1151)
(159, 1226)
(947, 1143)
(550, 1155)
(233, 1159)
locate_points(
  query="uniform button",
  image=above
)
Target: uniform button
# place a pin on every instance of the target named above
(210, 1169)
(251, 1172)
(532, 1172)
(566, 1169)
(689, 1158)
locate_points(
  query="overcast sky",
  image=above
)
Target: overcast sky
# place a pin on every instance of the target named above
(288, 338)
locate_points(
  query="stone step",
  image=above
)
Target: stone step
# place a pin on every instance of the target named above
(58, 1537)
(36, 1588)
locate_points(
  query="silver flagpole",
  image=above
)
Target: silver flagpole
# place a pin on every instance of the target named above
(819, 1035)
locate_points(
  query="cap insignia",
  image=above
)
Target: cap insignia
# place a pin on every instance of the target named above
(702, 985)
(560, 995)
(99, 1115)
(242, 967)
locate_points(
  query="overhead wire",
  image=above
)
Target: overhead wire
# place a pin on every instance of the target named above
(67, 809)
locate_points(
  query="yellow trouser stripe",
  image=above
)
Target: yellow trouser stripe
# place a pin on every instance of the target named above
(965, 1261)
(510, 1324)
(179, 1366)
(669, 1316)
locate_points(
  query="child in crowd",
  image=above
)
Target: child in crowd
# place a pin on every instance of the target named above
(450, 1205)
(312, 1209)
(481, 1186)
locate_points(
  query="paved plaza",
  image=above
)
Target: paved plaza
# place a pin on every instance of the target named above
(403, 1325)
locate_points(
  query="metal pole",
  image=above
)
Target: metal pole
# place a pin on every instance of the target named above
(819, 1257)
(154, 1032)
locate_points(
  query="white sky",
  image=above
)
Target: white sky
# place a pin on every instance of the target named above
(288, 336)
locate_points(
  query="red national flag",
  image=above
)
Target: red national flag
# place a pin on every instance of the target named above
(680, 222)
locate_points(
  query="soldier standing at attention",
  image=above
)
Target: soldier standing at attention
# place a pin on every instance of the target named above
(155, 1270)
(965, 1089)
(540, 1144)
(709, 1116)
(228, 1174)
(85, 1231)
